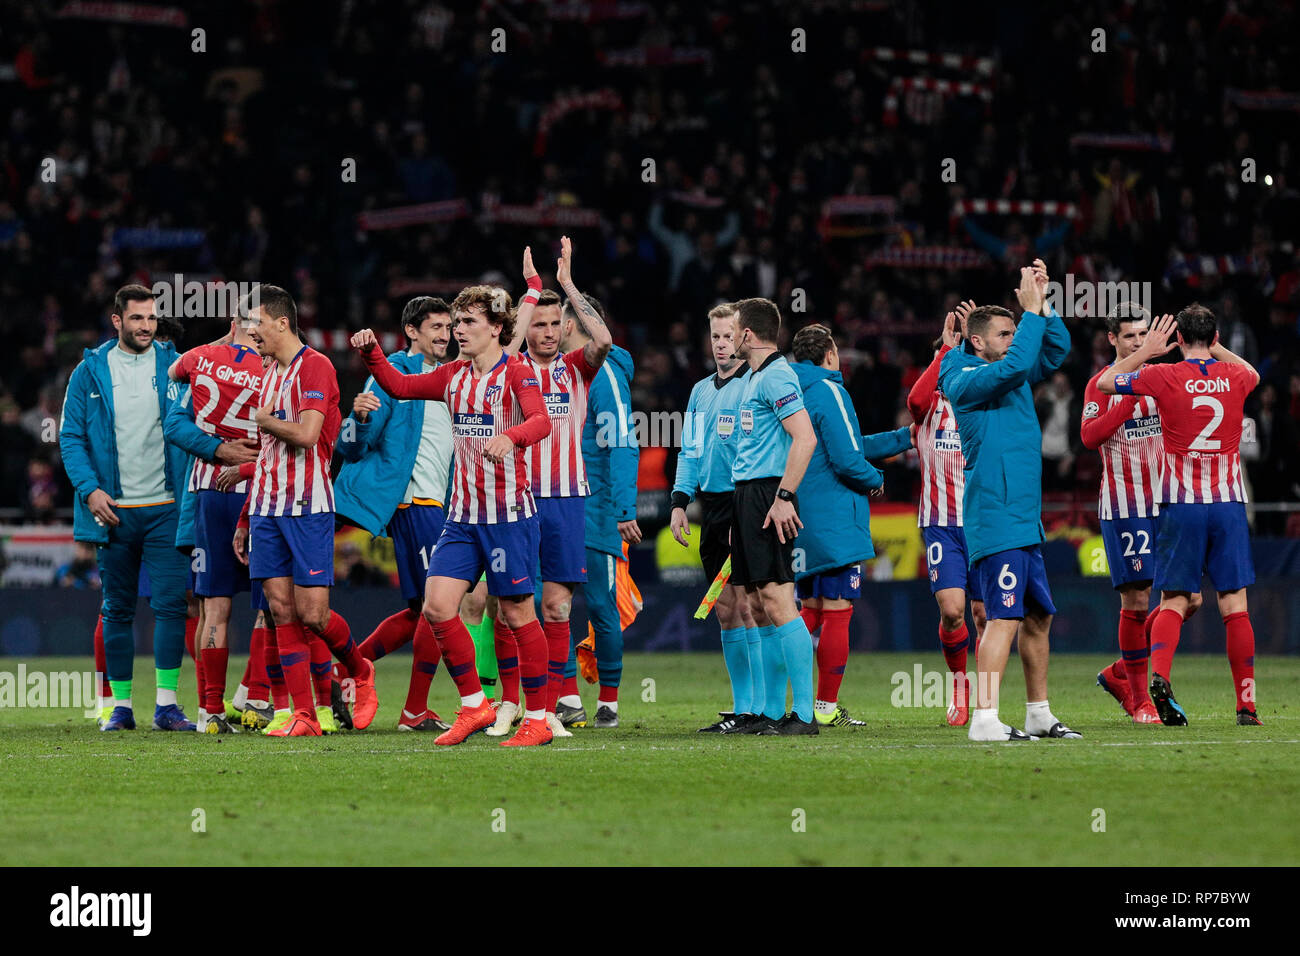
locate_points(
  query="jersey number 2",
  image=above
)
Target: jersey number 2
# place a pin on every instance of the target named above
(1203, 441)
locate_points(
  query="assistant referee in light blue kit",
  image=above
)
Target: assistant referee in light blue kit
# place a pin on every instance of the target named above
(776, 442)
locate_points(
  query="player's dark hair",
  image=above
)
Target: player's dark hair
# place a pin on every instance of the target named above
(1197, 325)
(548, 297)
(496, 302)
(569, 312)
(1126, 312)
(169, 330)
(811, 343)
(978, 322)
(274, 301)
(760, 316)
(130, 293)
(414, 312)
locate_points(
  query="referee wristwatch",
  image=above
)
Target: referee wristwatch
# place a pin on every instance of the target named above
(785, 495)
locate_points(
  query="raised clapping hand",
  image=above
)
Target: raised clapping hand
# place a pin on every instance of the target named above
(364, 340)
(1157, 341)
(564, 265)
(963, 310)
(529, 270)
(1030, 293)
(952, 330)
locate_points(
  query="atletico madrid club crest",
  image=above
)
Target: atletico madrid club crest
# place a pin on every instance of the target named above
(492, 392)
(1008, 599)
(1137, 563)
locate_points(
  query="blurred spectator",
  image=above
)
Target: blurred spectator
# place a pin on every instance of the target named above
(355, 572)
(82, 572)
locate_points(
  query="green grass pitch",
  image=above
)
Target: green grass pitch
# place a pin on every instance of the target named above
(905, 790)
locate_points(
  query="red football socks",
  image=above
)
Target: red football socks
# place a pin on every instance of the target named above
(607, 695)
(1133, 653)
(507, 661)
(275, 670)
(215, 660)
(1241, 658)
(531, 640)
(423, 666)
(812, 618)
(101, 660)
(458, 651)
(832, 653)
(295, 659)
(338, 637)
(954, 647)
(191, 628)
(255, 679)
(322, 667)
(557, 652)
(1164, 640)
(393, 632)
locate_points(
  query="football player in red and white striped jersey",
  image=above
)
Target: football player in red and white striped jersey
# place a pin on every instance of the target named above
(1126, 431)
(497, 412)
(1202, 524)
(291, 508)
(225, 379)
(940, 515)
(559, 480)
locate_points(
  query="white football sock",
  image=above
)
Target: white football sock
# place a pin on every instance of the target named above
(825, 706)
(611, 704)
(473, 700)
(240, 698)
(166, 697)
(571, 700)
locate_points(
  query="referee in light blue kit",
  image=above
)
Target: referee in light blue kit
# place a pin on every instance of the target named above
(776, 442)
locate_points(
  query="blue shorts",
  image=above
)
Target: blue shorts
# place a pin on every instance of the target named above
(1130, 549)
(1192, 539)
(945, 559)
(507, 552)
(838, 584)
(217, 572)
(280, 546)
(1012, 580)
(258, 598)
(415, 532)
(564, 537)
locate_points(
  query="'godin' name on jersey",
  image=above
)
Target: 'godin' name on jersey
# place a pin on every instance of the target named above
(1207, 386)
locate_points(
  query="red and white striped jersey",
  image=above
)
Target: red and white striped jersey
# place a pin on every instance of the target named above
(1201, 404)
(289, 480)
(555, 465)
(225, 382)
(503, 401)
(943, 475)
(1125, 430)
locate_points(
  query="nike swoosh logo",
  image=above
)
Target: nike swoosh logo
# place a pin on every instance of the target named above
(517, 580)
(94, 394)
(321, 571)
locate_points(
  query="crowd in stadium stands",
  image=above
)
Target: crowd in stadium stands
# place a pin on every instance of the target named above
(695, 153)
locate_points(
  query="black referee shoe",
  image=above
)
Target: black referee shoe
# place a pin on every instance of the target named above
(741, 723)
(754, 724)
(727, 718)
(791, 726)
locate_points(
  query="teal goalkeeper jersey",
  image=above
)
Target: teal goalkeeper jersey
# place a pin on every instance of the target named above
(709, 435)
(772, 394)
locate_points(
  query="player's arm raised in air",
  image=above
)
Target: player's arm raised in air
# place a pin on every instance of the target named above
(1115, 380)
(426, 385)
(524, 314)
(1224, 354)
(1056, 337)
(921, 397)
(968, 386)
(593, 352)
(1097, 426)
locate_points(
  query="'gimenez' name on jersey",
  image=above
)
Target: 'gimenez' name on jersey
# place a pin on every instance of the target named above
(225, 383)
